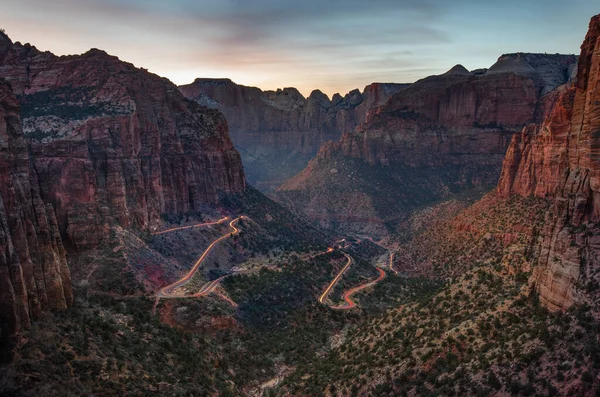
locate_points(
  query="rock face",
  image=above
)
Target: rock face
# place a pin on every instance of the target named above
(277, 132)
(560, 159)
(113, 143)
(457, 113)
(548, 70)
(443, 134)
(98, 143)
(34, 275)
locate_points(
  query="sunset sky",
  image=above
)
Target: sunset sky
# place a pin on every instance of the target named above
(333, 45)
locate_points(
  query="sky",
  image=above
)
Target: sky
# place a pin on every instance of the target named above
(331, 45)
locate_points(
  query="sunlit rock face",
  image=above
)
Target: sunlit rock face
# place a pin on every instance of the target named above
(560, 159)
(113, 143)
(441, 136)
(278, 132)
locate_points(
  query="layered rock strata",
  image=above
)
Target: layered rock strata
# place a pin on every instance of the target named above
(98, 143)
(34, 274)
(442, 135)
(113, 143)
(278, 132)
(560, 160)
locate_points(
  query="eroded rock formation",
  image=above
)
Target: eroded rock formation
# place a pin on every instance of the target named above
(442, 135)
(560, 159)
(34, 274)
(113, 143)
(98, 143)
(278, 132)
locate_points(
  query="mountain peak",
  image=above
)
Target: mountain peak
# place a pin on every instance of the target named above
(458, 70)
(5, 42)
(212, 81)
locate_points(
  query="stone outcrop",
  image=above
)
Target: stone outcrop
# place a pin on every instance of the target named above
(548, 70)
(112, 143)
(560, 160)
(442, 135)
(34, 274)
(278, 132)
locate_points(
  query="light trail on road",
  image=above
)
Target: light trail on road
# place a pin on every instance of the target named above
(174, 229)
(392, 264)
(168, 291)
(348, 302)
(336, 279)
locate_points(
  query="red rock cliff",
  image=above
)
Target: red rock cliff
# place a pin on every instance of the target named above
(113, 143)
(278, 132)
(443, 135)
(284, 118)
(34, 275)
(560, 159)
(458, 116)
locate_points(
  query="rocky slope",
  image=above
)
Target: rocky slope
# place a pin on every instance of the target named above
(443, 135)
(278, 132)
(113, 143)
(34, 275)
(559, 159)
(98, 143)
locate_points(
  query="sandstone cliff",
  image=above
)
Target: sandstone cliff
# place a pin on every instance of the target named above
(559, 159)
(34, 275)
(442, 135)
(113, 143)
(456, 113)
(98, 143)
(278, 132)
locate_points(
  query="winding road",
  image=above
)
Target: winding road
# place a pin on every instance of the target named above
(191, 226)
(392, 264)
(170, 290)
(348, 302)
(337, 278)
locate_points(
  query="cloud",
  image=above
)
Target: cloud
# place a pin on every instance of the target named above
(335, 45)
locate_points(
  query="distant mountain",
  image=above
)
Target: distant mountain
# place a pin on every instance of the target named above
(442, 136)
(548, 70)
(519, 312)
(278, 132)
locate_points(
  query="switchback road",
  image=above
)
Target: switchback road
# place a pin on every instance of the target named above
(348, 302)
(174, 229)
(170, 291)
(392, 264)
(337, 278)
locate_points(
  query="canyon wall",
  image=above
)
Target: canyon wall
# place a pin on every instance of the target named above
(441, 136)
(278, 132)
(113, 143)
(34, 275)
(560, 159)
(449, 117)
(88, 142)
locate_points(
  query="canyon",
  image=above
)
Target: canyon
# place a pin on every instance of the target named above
(278, 132)
(441, 137)
(458, 218)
